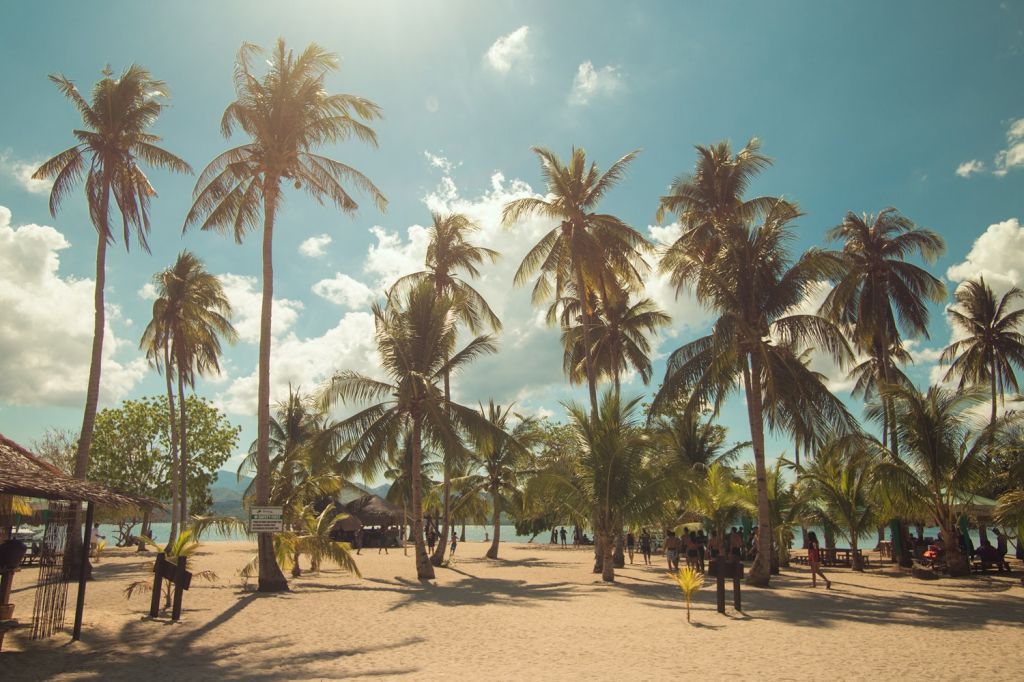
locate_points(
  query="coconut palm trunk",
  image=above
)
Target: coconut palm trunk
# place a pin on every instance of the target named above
(492, 552)
(173, 421)
(607, 560)
(182, 446)
(587, 349)
(760, 572)
(271, 578)
(424, 569)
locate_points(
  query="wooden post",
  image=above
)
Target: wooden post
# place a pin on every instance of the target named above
(717, 568)
(158, 581)
(737, 576)
(76, 634)
(180, 579)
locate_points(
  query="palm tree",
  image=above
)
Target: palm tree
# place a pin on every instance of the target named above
(941, 461)
(610, 482)
(288, 114)
(877, 293)
(112, 142)
(842, 476)
(691, 444)
(587, 252)
(448, 252)
(618, 339)
(716, 495)
(992, 345)
(190, 317)
(502, 460)
(785, 509)
(742, 271)
(416, 337)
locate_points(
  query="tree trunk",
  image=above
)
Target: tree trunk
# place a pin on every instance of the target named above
(296, 571)
(271, 578)
(174, 443)
(881, 537)
(760, 571)
(145, 528)
(492, 553)
(608, 563)
(956, 561)
(424, 569)
(183, 445)
(442, 542)
(858, 560)
(619, 556)
(581, 291)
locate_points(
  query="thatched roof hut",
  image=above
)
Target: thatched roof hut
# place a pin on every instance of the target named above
(24, 474)
(373, 510)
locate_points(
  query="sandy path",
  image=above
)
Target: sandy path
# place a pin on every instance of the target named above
(538, 614)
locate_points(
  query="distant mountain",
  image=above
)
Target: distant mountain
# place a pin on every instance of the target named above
(230, 481)
(227, 491)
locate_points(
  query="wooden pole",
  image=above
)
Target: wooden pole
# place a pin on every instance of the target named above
(158, 583)
(82, 572)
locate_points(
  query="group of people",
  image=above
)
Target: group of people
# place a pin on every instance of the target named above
(560, 536)
(433, 536)
(987, 553)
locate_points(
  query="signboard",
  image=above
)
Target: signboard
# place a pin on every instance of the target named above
(266, 519)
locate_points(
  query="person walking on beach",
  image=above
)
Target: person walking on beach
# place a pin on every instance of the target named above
(814, 561)
(455, 541)
(672, 551)
(431, 540)
(702, 542)
(562, 534)
(383, 540)
(645, 546)
(691, 552)
(735, 544)
(630, 544)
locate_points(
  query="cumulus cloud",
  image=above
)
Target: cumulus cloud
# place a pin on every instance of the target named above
(314, 247)
(1013, 155)
(21, 172)
(590, 82)
(998, 255)
(438, 161)
(344, 291)
(509, 52)
(969, 168)
(46, 325)
(246, 300)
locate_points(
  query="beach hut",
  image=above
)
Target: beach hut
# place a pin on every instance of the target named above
(25, 475)
(371, 519)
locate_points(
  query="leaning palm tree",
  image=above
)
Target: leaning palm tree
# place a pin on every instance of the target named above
(842, 477)
(618, 338)
(448, 254)
(501, 458)
(416, 337)
(190, 317)
(992, 345)
(288, 114)
(877, 293)
(587, 252)
(742, 271)
(112, 142)
(942, 457)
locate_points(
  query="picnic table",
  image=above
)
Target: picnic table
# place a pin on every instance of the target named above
(835, 556)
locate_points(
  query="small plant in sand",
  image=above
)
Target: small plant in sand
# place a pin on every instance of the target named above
(689, 580)
(100, 547)
(312, 537)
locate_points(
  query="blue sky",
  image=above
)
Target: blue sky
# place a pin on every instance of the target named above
(862, 105)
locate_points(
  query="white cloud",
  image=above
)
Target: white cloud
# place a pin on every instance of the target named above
(148, 292)
(21, 172)
(46, 325)
(306, 362)
(509, 52)
(1013, 155)
(590, 82)
(344, 291)
(314, 247)
(246, 302)
(439, 162)
(998, 255)
(969, 168)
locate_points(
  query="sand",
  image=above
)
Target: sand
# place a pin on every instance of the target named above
(536, 614)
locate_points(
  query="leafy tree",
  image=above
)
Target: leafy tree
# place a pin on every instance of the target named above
(58, 447)
(113, 140)
(288, 114)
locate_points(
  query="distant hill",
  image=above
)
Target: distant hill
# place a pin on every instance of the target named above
(227, 490)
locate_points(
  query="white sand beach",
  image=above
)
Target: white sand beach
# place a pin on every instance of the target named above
(538, 613)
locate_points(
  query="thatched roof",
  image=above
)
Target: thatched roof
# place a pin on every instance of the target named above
(22, 473)
(373, 510)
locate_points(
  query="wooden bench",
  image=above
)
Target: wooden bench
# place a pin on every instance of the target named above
(833, 558)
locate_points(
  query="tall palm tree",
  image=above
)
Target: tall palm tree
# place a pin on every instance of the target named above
(114, 139)
(190, 317)
(586, 252)
(618, 339)
(288, 114)
(416, 337)
(745, 276)
(942, 457)
(992, 345)
(448, 253)
(785, 508)
(877, 293)
(842, 476)
(501, 460)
